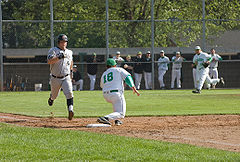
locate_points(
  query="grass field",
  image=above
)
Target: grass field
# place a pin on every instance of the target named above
(150, 103)
(37, 144)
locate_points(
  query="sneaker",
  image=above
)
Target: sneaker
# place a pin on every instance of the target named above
(50, 102)
(118, 122)
(222, 81)
(196, 91)
(103, 120)
(70, 115)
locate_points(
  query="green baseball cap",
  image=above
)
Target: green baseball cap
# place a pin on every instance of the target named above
(111, 62)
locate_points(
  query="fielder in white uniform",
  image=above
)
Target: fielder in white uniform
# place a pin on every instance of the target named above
(61, 63)
(202, 70)
(176, 69)
(113, 88)
(213, 71)
(163, 63)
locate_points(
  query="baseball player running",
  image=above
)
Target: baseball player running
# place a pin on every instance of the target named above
(61, 62)
(163, 63)
(202, 62)
(176, 69)
(113, 89)
(213, 71)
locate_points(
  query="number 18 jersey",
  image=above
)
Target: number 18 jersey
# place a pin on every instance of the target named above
(113, 78)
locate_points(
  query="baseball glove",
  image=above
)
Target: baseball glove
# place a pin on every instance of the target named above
(205, 64)
(60, 55)
(194, 66)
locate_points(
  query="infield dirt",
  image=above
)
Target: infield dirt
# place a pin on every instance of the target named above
(213, 131)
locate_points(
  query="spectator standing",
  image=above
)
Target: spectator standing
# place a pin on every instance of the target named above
(119, 60)
(128, 65)
(138, 69)
(92, 68)
(176, 69)
(147, 68)
(163, 63)
(77, 79)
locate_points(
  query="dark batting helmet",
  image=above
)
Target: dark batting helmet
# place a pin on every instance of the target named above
(62, 37)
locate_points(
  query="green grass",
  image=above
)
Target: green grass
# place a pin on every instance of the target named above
(38, 144)
(150, 103)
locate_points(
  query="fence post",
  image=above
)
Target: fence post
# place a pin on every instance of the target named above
(204, 26)
(1, 47)
(51, 23)
(107, 31)
(152, 42)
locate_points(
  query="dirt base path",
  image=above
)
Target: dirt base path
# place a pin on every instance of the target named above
(214, 131)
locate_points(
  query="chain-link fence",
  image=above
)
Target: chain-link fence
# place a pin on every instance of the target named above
(29, 29)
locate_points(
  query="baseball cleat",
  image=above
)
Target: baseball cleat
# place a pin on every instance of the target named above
(70, 115)
(196, 91)
(222, 81)
(103, 120)
(50, 102)
(118, 122)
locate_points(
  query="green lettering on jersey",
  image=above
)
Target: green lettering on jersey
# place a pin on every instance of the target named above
(108, 77)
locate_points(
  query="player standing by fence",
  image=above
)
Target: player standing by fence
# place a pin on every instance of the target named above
(176, 69)
(163, 63)
(61, 63)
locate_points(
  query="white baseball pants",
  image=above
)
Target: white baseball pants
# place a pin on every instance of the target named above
(148, 80)
(138, 78)
(161, 74)
(202, 76)
(92, 81)
(118, 102)
(213, 73)
(194, 77)
(176, 75)
(78, 83)
(57, 84)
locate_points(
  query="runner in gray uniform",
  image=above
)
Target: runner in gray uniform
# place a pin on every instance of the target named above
(61, 63)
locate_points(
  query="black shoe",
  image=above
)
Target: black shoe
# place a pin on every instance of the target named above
(70, 115)
(50, 102)
(118, 122)
(222, 81)
(196, 91)
(103, 120)
(162, 88)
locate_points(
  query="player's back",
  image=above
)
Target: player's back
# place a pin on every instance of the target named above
(112, 79)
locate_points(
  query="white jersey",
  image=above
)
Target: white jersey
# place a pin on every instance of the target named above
(113, 79)
(118, 60)
(163, 63)
(62, 66)
(177, 62)
(214, 62)
(201, 58)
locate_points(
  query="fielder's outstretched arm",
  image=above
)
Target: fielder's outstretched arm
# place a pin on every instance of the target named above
(129, 82)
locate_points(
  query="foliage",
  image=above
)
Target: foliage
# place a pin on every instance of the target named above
(178, 23)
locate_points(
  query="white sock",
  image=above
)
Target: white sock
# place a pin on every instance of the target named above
(70, 108)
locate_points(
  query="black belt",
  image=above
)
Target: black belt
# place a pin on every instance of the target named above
(111, 91)
(59, 77)
(176, 68)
